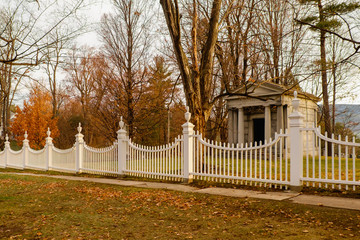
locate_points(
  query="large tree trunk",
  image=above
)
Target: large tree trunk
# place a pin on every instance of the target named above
(54, 103)
(324, 82)
(130, 113)
(334, 93)
(197, 83)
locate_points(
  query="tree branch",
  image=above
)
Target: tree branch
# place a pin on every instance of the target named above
(328, 31)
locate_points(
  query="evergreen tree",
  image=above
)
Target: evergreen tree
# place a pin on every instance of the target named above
(326, 17)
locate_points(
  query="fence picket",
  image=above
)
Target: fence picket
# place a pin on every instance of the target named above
(339, 159)
(260, 162)
(270, 162)
(346, 162)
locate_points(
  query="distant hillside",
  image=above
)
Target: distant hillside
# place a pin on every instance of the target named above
(349, 114)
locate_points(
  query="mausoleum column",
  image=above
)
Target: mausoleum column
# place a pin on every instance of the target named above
(241, 125)
(279, 118)
(267, 122)
(235, 127)
(230, 126)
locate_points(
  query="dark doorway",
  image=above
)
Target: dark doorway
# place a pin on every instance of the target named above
(259, 129)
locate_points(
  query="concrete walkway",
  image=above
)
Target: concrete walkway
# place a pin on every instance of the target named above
(336, 202)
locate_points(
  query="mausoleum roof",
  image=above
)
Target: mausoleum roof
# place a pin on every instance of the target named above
(269, 90)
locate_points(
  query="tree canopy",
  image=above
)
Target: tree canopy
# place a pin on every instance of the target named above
(35, 118)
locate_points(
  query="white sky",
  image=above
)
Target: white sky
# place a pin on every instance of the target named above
(94, 12)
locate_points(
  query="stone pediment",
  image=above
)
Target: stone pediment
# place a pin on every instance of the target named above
(262, 89)
(268, 91)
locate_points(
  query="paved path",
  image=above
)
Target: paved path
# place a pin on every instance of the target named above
(336, 202)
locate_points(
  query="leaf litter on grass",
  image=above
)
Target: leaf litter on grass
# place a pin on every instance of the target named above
(89, 210)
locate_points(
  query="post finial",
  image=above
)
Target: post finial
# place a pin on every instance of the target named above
(48, 132)
(25, 135)
(79, 128)
(187, 114)
(121, 123)
(7, 137)
(296, 102)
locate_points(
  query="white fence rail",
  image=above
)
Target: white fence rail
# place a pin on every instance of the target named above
(294, 158)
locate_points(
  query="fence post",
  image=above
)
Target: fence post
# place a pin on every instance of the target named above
(6, 149)
(25, 150)
(122, 143)
(296, 145)
(79, 145)
(188, 131)
(48, 146)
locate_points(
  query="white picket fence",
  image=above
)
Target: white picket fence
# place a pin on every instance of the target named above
(162, 161)
(100, 160)
(266, 163)
(339, 164)
(288, 160)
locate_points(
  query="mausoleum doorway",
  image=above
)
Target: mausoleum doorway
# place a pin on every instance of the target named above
(259, 130)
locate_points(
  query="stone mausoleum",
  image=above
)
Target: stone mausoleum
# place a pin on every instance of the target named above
(265, 111)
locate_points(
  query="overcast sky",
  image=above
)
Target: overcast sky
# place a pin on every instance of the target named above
(94, 12)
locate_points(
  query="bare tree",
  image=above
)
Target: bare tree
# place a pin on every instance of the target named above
(11, 73)
(53, 63)
(341, 74)
(253, 41)
(25, 28)
(280, 39)
(126, 39)
(81, 70)
(34, 24)
(196, 69)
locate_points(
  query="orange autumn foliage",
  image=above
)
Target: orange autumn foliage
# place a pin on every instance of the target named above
(35, 118)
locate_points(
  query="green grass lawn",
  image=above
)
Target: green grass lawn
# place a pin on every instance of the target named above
(232, 166)
(44, 208)
(342, 167)
(337, 163)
